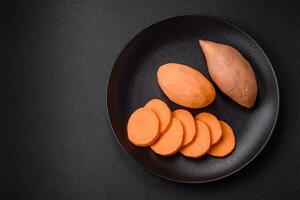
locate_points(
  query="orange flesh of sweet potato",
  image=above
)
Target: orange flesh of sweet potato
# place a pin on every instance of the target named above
(163, 113)
(227, 143)
(213, 124)
(188, 123)
(143, 127)
(201, 144)
(185, 86)
(170, 141)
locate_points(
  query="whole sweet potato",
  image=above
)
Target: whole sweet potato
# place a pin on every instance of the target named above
(231, 72)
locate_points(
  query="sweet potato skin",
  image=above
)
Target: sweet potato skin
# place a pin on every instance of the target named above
(185, 86)
(231, 72)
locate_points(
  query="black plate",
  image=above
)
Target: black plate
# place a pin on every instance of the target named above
(133, 82)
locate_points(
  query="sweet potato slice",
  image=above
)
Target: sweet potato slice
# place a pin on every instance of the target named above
(143, 127)
(188, 123)
(163, 113)
(170, 142)
(201, 144)
(227, 143)
(213, 124)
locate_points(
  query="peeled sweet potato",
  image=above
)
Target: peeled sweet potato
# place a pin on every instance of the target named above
(185, 86)
(231, 72)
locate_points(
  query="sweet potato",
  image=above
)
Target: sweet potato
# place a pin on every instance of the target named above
(227, 143)
(231, 72)
(213, 124)
(185, 86)
(201, 144)
(163, 113)
(188, 123)
(169, 142)
(143, 127)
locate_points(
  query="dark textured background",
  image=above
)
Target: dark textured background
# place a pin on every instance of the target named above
(55, 139)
